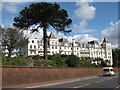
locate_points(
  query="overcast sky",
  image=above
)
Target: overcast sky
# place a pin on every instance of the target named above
(91, 21)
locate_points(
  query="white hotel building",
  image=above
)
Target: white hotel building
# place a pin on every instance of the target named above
(62, 46)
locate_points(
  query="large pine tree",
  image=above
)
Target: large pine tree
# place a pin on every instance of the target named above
(44, 15)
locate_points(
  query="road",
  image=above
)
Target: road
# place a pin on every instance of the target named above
(94, 83)
(98, 82)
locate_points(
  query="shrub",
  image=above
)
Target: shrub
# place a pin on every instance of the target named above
(50, 57)
(5, 61)
(18, 61)
(86, 63)
(58, 61)
(37, 57)
(47, 63)
(72, 61)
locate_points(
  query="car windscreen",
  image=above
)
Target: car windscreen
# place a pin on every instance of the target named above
(106, 69)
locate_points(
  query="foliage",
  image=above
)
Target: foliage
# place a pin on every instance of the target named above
(50, 57)
(13, 38)
(37, 14)
(116, 57)
(86, 63)
(48, 63)
(58, 61)
(101, 62)
(72, 61)
(37, 57)
(54, 61)
(64, 55)
(18, 61)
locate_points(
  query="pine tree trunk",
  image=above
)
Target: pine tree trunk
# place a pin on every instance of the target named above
(9, 53)
(45, 42)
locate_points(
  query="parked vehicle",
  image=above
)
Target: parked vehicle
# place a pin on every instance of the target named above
(108, 71)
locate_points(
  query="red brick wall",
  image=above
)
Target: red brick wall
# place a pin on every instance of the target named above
(25, 75)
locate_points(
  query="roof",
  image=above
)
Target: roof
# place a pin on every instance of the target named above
(93, 42)
(52, 36)
(63, 40)
(105, 40)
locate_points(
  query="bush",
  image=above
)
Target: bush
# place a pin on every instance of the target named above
(48, 63)
(18, 61)
(86, 63)
(58, 61)
(72, 61)
(5, 61)
(37, 57)
(50, 57)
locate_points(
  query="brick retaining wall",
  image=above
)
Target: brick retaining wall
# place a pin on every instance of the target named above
(26, 75)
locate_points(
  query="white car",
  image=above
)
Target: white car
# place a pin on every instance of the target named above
(108, 71)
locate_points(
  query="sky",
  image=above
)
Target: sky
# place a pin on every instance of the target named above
(90, 20)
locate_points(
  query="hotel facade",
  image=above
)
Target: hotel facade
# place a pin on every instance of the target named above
(63, 46)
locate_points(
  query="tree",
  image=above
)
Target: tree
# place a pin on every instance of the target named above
(1, 30)
(43, 15)
(116, 57)
(13, 38)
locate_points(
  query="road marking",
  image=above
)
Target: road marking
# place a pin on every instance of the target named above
(99, 81)
(118, 87)
(59, 83)
(69, 81)
(82, 85)
(96, 82)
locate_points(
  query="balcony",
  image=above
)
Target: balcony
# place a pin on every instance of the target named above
(33, 49)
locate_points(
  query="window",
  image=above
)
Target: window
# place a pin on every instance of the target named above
(106, 69)
(52, 52)
(30, 52)
(38, 42)
(56, 47)
(32, 41)
(34, 46)
(52, 47)
(66, 47)
(77, 48)
(16, 49)
(30, 46)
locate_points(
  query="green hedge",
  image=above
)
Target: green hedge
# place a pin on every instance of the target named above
(18, 61)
